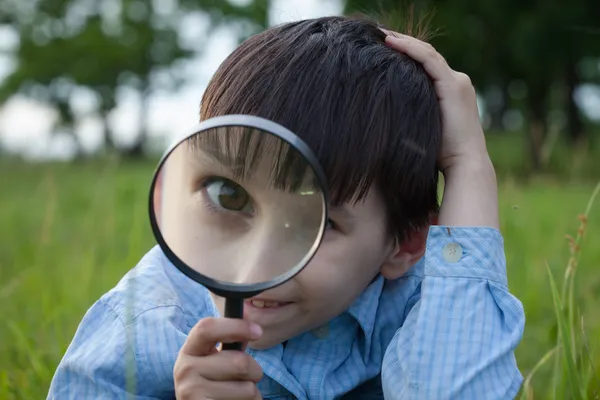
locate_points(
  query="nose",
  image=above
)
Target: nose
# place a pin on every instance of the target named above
(272, 249)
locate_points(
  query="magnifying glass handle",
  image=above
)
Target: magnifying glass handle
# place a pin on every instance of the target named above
(234, 308)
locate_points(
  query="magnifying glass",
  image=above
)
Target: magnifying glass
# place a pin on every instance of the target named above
(239, 206)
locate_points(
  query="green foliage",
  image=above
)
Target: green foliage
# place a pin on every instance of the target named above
(575, 375)
(572, 163)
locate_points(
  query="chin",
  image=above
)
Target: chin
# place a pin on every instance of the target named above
(266, 342)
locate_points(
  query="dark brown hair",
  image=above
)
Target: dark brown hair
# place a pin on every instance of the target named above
(369, 113)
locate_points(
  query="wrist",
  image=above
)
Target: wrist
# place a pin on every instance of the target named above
(470, 194)
(473, 165)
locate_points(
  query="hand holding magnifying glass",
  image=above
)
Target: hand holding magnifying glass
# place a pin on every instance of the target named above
(239, 206)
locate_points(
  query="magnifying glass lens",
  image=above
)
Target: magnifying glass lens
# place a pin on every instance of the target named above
(239, 205)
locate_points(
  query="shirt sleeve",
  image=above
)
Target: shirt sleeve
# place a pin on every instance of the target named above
(106, 359)
(459, 335)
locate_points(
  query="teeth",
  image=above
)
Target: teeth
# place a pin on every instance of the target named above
(263, 304)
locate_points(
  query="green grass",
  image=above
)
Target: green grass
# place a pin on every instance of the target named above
(68, 233)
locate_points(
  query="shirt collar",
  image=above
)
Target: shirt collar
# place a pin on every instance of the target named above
(364, 308)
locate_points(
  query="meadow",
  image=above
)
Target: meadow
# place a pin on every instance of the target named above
(68, 232)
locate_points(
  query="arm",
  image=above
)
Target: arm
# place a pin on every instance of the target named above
(102, 361)
(458, 339)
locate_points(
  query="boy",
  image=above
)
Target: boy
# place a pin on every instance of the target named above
(390, 305)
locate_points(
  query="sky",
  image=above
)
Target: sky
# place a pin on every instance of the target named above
(25, 124)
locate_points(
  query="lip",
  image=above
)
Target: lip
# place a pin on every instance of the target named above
(260, 303)
(268, 316)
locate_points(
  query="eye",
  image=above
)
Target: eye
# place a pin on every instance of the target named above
(225, 194)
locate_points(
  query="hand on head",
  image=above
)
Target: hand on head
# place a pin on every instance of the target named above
(470, 192)
(462, 139)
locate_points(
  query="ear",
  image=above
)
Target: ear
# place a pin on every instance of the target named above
(406, 254)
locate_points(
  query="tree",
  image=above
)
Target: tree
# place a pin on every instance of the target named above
(538, 43)
(106, 45)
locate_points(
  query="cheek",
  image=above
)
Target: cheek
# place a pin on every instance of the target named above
(341, 270)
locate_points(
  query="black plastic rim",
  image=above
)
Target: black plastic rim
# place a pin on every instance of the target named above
(226, 289)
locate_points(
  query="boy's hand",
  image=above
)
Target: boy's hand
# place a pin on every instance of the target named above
(470, 193)
(203, 372)
(463, 139)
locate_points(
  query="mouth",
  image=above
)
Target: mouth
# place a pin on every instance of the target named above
(269, 313)
(267, 304)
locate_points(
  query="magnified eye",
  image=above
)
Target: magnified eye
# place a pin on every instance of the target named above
(225, 194)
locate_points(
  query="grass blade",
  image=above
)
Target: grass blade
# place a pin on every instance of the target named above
(527, 391)
(565, 338)
(594, 374)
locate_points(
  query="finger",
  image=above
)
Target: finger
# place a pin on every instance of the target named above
(201, 388)
(435, 65)
(205, 335)
(222, 366)
(232, 390)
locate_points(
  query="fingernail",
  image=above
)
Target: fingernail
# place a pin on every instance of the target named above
(256, 331)
(393, 38)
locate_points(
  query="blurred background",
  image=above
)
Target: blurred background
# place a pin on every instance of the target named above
(92, 91)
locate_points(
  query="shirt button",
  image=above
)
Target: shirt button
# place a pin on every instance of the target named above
(452, 252)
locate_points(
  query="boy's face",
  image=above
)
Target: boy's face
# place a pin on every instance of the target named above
(354, 250)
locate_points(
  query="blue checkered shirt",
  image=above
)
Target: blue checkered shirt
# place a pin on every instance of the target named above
(447, 329)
